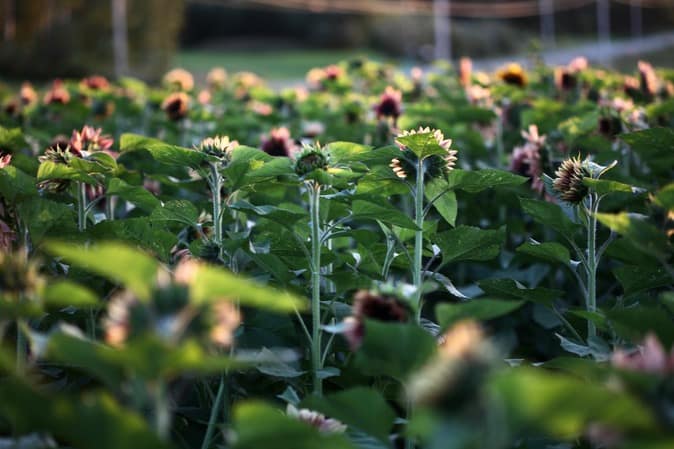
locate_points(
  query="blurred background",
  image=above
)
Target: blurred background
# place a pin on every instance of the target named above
(282, 39)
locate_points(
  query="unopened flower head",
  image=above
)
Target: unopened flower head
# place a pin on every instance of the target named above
(369, 305)
(568, 182)
(526, 159)
(311, 158)
(95, 82)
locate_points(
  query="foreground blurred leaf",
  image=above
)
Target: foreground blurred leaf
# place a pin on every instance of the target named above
(538, 401)
(476, 309)
(114, 261)
(160, 151)
(347, 406)
(261, 426)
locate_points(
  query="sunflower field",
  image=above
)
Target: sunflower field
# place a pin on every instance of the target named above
(372, 259)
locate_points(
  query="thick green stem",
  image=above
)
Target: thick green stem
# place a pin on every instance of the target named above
(417, 278)
(314, 210)
(110, 202)
(216, 192)
(81, 206)
(591, 303)
(214, 413)
(162, 411)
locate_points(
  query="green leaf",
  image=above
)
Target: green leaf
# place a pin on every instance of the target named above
(538, 401)
(655, 146)
(347, 406)
(213, 283)
(383, 211)
(114, 261)
(143, 232)
(550, 215)
(15, 184)
(604, 187)
(65, 293)
(46, 218)
(445, 200)
(137, 195)
(550, 251)
(470, 243)
(665, 197)
(82, 422)
(476, 309)
(393, 349)
(636, 279)
(261, 426)
(635, 323)
(510, 288)
(635, 228)
(182, 211)
(474, 181)
(52, 170)
(282, 215)
(163, 153)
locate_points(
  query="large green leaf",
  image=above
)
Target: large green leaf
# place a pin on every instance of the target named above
(423, 144)
(347, 406)
(509, 288)
(261, 426)
(635, 279)
(475, 309)
(474, 181)
(63, 293)
(444, 199)
(15, 184)
(138, 195)
(470, 243)
(114, 261)
(534, 400)
(182, 211)
(84, 421)
(550, 215)
(383, 211)
(213, 283)
(161, 152)
(636, 228)
(550, 251)
(655, 146)
(394, 349)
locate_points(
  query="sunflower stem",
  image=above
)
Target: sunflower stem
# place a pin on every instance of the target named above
(81, 206)
(417, 275)
(216, 192)
(591, 304)
(314, 205)
(21, 349)
(217, 405)
(162, 412)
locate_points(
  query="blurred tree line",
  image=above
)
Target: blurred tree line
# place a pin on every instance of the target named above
(49, 38)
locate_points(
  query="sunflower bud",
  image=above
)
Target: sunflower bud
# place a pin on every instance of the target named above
(279, 143)
(569, 181)
(372, 306)
(312, 158)
(176, 105)
(434, 165)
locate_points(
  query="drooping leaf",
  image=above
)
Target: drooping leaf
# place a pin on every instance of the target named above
(475, 309)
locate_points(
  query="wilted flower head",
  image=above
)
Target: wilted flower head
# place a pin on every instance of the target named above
(315, 419)
(204, 97)
(226, 319)
(217, 78)
(19, 276)
(650, 357)
(5, 159)
(648, 79)
(27, 94)
(513, 74)
(218, 146)
(58, 94)
(59, 152)
(465, 71)
(176, 105)
(90, 140)
(462, 360)
(526, 159)
(278, 142)
(435, 165)
(368, 305)
(569, 180)
(95, 82)
(179, 79)
(390, 104)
